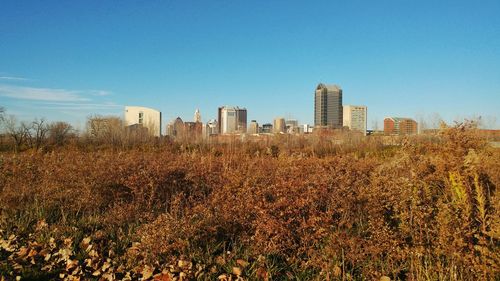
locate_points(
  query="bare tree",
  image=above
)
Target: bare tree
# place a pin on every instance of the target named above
(59, 132)
(106, 129)
(422, 123)
(37, 132)
(436, 121)
(375, 125)
(489, 122)
(2, 115)
(18, 132)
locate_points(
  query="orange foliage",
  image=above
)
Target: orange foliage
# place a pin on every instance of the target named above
(301, 209)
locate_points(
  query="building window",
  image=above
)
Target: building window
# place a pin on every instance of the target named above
(141, 117)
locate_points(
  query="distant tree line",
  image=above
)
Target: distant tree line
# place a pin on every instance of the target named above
(35, 135)
(39, 134)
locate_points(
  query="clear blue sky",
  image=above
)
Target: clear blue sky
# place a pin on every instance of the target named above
(64, 60)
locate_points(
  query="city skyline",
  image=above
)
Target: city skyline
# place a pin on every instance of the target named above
(66, 61)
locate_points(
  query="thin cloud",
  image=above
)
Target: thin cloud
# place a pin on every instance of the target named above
(13, 78)
(51, 101)
(42, 94)
(78, 106)
(100, 93)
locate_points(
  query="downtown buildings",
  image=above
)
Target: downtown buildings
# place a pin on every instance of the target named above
(329, 114)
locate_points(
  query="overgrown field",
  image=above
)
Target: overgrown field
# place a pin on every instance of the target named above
(425, 210)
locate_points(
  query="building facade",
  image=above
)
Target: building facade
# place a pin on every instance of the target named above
(176, 128)
(355, 117)
(253, 128)
(279, 125)
(147, 117)
(400, 126)
(212, 127)
(193, 130)
(292, 126)
(232, 120)
(267, 128)
(306, 128)
(328, 106)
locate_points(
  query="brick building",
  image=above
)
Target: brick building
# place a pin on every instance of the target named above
(400, 126)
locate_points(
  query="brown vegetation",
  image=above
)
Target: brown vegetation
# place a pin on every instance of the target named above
(294, 208)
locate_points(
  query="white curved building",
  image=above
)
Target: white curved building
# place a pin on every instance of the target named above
(147, 117)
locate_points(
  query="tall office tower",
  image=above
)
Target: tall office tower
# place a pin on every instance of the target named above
(241, 117)
(219, 119)
(176, 128)
(253, 127)
(146, 117)
(232, 120)
(400, 126)
(197, 116)
(328, 106)
(279, 125)
(355, 117)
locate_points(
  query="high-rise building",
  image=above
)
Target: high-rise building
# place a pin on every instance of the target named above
(232, 120)
(328, 106)
(197, 116)
(176, 128)
(400, 126)
(193, 130)
(241, 118)
(279, 125)
(228, 120)
(355, 117)
(146, 117)
(253, 127)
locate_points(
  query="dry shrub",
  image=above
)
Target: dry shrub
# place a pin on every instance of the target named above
(303, 208)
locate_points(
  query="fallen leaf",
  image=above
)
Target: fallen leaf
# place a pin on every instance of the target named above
(108, 276)
(162, 277)
(241, 262)
(147, 272)
(236, 270)
(105, 266)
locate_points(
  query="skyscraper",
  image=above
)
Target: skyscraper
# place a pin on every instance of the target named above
(232, 120)
(254, 127)
(197, 116)
(328, 106)
(355, 117)
(279, 125)
(176, 128)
